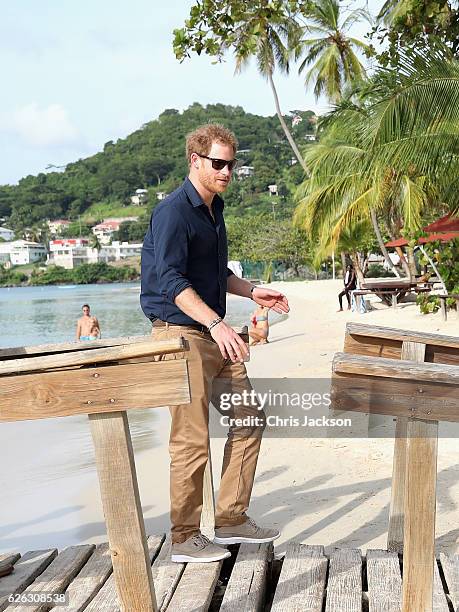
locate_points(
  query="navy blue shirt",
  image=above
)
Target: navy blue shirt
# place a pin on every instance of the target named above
(184, 247)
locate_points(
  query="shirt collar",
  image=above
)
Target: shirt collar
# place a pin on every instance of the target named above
(196, 199)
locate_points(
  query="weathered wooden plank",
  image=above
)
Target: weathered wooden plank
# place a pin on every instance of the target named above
(94, 390)
(392, 349)
(57, 576)
(196, 587)
(9, 558)
(450, 566)
(26, 570)
(246, 587)
(401, 335)
(63, 347)
(344, 363)
(415, 352)
(166, 575)
(384, 581)
(123, 511)
(400, 398)
(301, 583)
(420, 497)
(7, 561)
(106, 600)
(397, 502)
(89, 581)
(344, 590)
(93, 356)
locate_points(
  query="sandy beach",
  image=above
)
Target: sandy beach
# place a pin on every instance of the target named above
(316, 490)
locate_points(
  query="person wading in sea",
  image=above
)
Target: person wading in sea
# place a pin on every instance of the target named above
(88, 327)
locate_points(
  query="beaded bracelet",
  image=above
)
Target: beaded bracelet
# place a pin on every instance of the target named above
(214, 323)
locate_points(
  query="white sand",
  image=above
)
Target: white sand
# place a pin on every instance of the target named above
(317, 491)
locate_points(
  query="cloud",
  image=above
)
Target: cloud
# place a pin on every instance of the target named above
(44, 127)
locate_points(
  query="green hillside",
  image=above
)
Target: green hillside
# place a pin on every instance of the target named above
(153, 158)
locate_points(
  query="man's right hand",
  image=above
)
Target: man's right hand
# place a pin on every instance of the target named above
(229, 342)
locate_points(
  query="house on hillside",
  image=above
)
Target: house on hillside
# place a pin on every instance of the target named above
(116, 251)
(140, 197)
(57, 226)
(6, 234)
(105, 230)
(70, 253)
(244, 171)
(73, 252)
(22, 252)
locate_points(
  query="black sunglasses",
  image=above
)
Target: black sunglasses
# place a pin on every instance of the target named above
(219, 164)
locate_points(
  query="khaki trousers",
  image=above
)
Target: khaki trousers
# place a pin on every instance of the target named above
(210, 376)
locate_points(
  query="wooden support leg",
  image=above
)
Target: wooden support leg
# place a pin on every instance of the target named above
(444, 314)
(420, 496)
(415, 352)
(394, 300)
(397, 502)
(123, 512)
(208, 500)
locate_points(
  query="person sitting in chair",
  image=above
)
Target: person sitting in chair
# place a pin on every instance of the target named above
(350, 283)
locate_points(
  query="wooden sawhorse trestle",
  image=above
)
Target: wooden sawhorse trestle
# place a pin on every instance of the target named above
(414, 377)
(103, 379)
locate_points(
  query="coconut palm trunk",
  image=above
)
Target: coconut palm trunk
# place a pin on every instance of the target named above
(403, 261)
(357, 267)
(382, 246)
(284, 125)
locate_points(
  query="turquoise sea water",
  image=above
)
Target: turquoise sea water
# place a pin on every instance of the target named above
(39, 315)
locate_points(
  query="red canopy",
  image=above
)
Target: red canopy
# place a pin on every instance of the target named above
(445, 224)
(444, 229)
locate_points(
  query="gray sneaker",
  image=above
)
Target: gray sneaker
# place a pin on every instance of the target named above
(249, 532)
(198, 549)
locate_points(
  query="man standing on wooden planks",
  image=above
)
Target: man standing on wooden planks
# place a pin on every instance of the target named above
(185, 279)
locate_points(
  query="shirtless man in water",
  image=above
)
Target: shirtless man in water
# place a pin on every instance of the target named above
(88, 327)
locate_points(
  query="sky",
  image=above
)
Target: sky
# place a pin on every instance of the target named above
(77, 74)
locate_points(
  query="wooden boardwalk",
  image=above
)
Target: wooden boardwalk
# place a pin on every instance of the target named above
(307, 578)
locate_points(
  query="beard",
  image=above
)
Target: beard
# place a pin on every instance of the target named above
(212, 182)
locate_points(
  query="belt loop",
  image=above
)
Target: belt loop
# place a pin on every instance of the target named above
(167, 325)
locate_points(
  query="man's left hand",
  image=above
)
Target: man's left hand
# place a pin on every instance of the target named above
(271, 299)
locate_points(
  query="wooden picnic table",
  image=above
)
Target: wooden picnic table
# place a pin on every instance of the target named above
(391, 291)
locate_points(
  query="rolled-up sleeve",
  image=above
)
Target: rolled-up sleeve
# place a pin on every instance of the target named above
(170, 240)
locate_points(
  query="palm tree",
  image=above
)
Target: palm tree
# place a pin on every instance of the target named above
(271, 42)
(332, 54)
(393, 10)
(353, 241)
(397, 153)
(95, 242)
